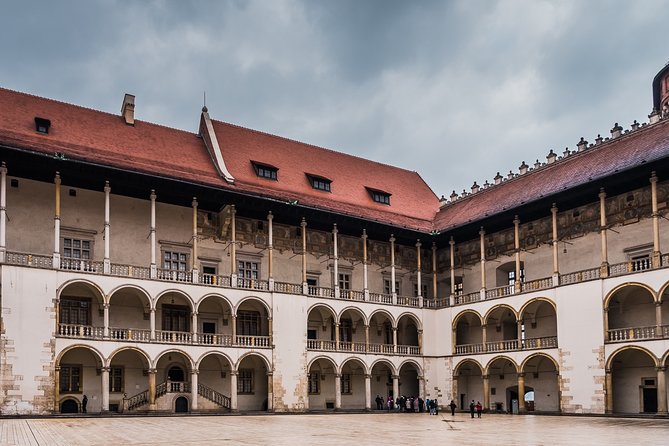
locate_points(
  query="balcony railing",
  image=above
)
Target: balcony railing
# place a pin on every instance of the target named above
(632, 333)
(19, 258)
(138, 272)
(501, 291)
(129, 334)
(580, 276)
(87, 266)
(352, 295)
(319, 291)
(214, 280)
(321, 344)
(253, 284)
(175, 276)
(381, 298)
(467, 298)
(253, 341)
(174, 337)
(501, 346)
(287, 288)
(80, 331)
(408, 301)
(507, 345)
(361, 347)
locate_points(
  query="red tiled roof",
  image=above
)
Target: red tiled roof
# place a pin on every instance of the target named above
(94, 136)
(632, 149)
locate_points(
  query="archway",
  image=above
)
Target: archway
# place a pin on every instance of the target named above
(468, 333)
(174, 317)
(214, 378)
(541, 375)
(129, 315)
(503, 381)
(78, 371)
(468, 377)
(321, 384)
(128, 374)
(69, 405)
(252, 380)
(214, 321)
(631, 314)
(352, 330)
(382, 379)
(539, 324)
(173, 373)
(634, 380)
(252, 327)
(80, 306)
(408, 336)
(501, 329)
(320, 328)
(409, 384)
(380, 332)
(352, 384)
(181, 405)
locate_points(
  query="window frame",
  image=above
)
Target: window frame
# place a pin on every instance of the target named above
(113, 375)
(314, 383)
(265, 171)
(245, 382)
(61, 307)
(319, 182)
(379, 196)
(346, 387)
(70, 368)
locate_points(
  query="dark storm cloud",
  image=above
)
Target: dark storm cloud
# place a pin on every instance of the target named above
(455, 90)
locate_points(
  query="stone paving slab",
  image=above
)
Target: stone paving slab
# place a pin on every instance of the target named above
(336, 429)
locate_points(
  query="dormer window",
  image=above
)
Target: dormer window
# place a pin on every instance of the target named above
(320, 183)
(265, 171)
(380, 196)
(42, 125)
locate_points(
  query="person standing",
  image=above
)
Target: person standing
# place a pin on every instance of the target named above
(436, 406)
(452, 406)
(479, 409)
(379, 402)
(84, 403)
(472, 408)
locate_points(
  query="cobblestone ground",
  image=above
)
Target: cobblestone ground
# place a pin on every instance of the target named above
(335, 429)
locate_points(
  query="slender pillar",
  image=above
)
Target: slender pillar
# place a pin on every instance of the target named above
(335, 260)
(233, 246)
(365, 279)
(608, 403)
(233, 390)
(193, 389)
(519, 333)
(486, 392)
(106, 319)
(56, 225)
(394, 339)
(396, 386)
(105, 389)
(152, 389)
(420, 342)
(556, 266)
(194, 328)
(656, 259)
(152, 322)
(451, 245)
(604, 270)
(418, 275)
(106, 263)
(368, 392)
(270, 328)
(303, 226)
(234, 329)
(661, 391)
(270, 392)
(270, 250)
(516, 243)
(337, 336)
(3, 212)
(482, 239)
(154, 270)
(366, 338)
(56, 390)
(421, 387)
(521, 393)
(193, 263)
(337, 390)
(435, 289)
(392, 269)
(484, 334)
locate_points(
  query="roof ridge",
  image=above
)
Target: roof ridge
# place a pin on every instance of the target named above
(81, 107)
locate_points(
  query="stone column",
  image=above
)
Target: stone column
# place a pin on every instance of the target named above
(152, 233)
(303, 226)
(608, 404)
(233, 247)
(556, 267)
(3, 212)
(152, 389)
(336, 261)
(420, 342)
(657, 256)
(661, 390)
(392, 269)
(337, 390)
(519, 333)
(451, 245)
(105, 389)
(152, 322)
(106, 263)
(521, 393)
(234, 329)
(270, 250)
(270, 331)
(482, 239)
(337, 336)
(193, 263)
(56, 225)
(394, 339)
(270, 392)
(396, 386)
(421, 387)
(484, 335)
(658, 319)
(193, 389)
(366, 338)
(604, 269)
(56, 390)
(368, 392)
(486, 392)
(418, 275)
(365, 278)
(233, 390)
(194, 328)
(516, 243)
(106, 319)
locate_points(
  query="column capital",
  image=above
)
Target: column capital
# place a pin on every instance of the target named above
(661, 368)
(392, 238)
(521, 375)
(153, 371)
(601, 194)
(57, 179)
(303, 223)
(233, 210)
(337, 375)
(395, 377)
(451, 241)
(607, 371)
(516, 220)
(107, 188)
(234, 372)
(364, 234)
(481, 231)
(368, 376)
(270, 216)
(194, 372)
(194, 202)
(554, 208)
(653, 177)
(418, 244)
(485, 376)
(152, 195)
(105, 369)
(334, 229)
(3, 168)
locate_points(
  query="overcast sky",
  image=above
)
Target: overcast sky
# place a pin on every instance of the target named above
(455, 90)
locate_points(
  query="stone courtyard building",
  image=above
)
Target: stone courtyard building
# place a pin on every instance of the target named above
(159, 270)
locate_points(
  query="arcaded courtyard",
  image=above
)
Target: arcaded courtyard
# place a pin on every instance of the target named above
(331, 429)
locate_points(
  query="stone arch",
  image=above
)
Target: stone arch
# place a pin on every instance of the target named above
(497, 358)
(386, 362)
(353, 359)
(139, 351)
(539, 354)
(609, 361)
(140, 291)
(418, 367)
(325, 358)
(213, 353)
(456, 369)
(665, 358)
(461, 314)
(499, 307)
(415, 319)
(353, 310)
(164, 293)
(385, 313)
(663, 289)
(96, 352)
(173, 350)
(526, 305)
(90, 285)
(631, 373)
(323, 305)
(213, 296)
(268, 366)
(609, 296)
(253, 299)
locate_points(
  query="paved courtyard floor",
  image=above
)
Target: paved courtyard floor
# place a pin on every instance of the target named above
(335, 429)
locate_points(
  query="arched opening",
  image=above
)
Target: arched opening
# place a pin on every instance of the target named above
(128, 374)
(541, 375)
(173, 376)
(468, 333)
(352, 384)
(181, 405)
(469, 383)
(129, 315)
(408, 336)
(80, 311)
(70, 405)
(321, 385)
(79, 374)
(174, 316)
(539, 325)
(252, 324)
(505, 274)
(320, 328)
(176, 374)
(664, 309)
(352, 330)
(252, 383)
(634, 381)
(214, 380)
(382, 381)
(409, 385)
(631, 314)
(214, 321)
(501, 329)
(503, 383)
(380, 333)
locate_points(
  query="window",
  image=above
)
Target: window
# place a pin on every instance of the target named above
(70, 378)
(320, 183)
(379, 196)
(75, 311)
(346, 383)
(42, 125)
(314, 383)
(248, 323)
(512, 276)
(176, 318)
(265, 171)
(116, 379)
(458, 287)
(248, 270)
(344, 281)
(423, 288)
(387, 289)
(74, 248)
(346, 330)
(175, 261)
(245, 381)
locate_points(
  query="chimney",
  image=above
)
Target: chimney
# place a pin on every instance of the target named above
(128, 109)
(537, 164)
(551, 157)
(475, 187)
(635, 125)
(616, 131)
(582, 145)
(523, 168)
(454, 196)
(566, 152)
(498, 178)
(599, 139)
(654, 116)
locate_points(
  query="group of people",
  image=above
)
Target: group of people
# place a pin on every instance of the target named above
(475, 407)
(412, 405)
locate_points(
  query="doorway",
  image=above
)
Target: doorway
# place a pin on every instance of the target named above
(69, 406)
(175, 374)
(181, 405)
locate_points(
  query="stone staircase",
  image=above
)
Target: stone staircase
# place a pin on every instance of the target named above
(138, 401)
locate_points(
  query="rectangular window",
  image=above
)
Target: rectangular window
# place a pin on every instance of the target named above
(512, 276)
(245, 381)
(70, 378)
(116, 379)
(423, 288)
(74, 248)
(346, 383)
(248, 323)
(175, 261)
(387, 289)
(248, 270)
(75, 311)
(176, 318)
(320, 183)
(458, 288)
(314, 383)
(381, 197)
(344, 281)
(265, 171)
